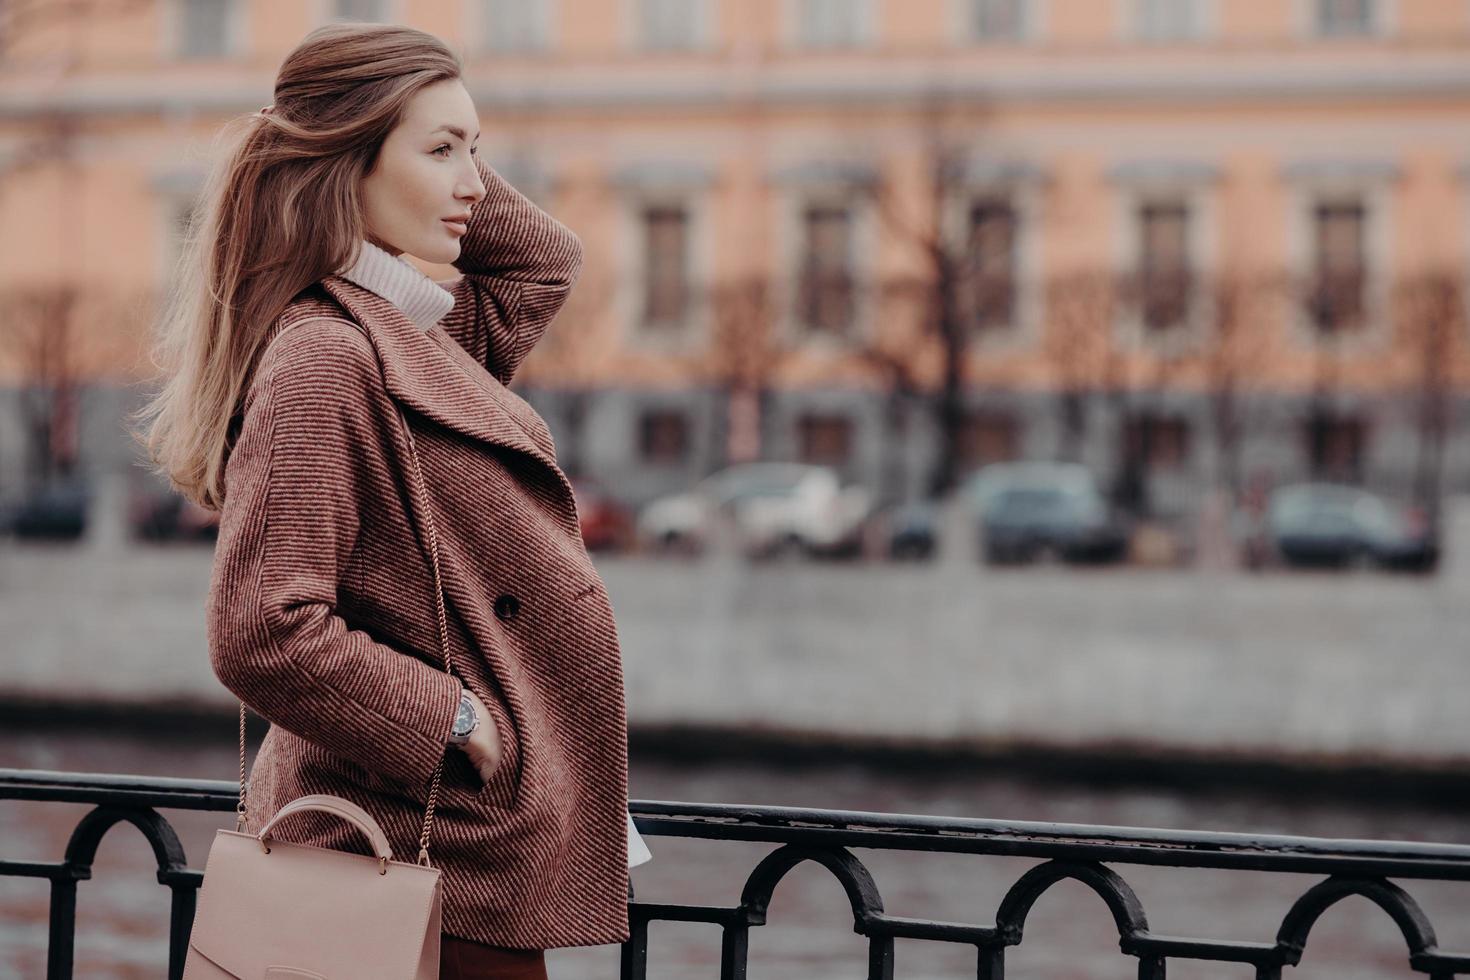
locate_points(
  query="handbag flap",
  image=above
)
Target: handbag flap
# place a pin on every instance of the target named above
(314, 910)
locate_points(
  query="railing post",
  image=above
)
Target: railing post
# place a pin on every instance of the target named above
(880, 958)
(181, 927)
(990, 964)
(734, 950)
(634, 955)
(63, 928)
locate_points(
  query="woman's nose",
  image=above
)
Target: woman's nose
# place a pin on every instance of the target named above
(476, 188)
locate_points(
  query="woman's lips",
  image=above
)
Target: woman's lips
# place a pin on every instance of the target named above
(459, 226)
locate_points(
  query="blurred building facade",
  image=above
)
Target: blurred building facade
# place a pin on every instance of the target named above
(1193, 243)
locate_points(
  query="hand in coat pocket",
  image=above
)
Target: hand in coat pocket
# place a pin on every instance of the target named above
(484, 748)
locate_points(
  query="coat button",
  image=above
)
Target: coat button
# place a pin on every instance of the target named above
(506, 606)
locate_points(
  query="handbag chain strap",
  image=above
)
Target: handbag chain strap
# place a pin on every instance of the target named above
(423, 506)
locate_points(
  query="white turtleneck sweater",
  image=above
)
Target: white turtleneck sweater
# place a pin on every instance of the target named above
(399, 281)
(425, 302)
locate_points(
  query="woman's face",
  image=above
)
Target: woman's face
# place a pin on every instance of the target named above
(425, 173)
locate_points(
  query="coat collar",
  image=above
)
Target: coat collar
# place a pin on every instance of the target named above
(429, 371)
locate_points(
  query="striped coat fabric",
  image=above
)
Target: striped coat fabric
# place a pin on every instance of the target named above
(322, 616)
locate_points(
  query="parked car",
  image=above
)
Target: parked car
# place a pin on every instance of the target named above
(768, 506)
(908, 530)
(989, 480)
(817, 516)
(166, 515)
(1335, 525)
(1027, 510)
(688, 521)
(57, 511)
(607, 525)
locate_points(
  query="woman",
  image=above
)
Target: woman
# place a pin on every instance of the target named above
(296, 333)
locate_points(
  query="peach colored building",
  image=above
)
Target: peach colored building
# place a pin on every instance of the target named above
(766, 186)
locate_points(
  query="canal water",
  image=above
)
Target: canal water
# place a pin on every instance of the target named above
(123, 912)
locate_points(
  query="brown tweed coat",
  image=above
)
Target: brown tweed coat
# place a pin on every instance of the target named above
(322, 616)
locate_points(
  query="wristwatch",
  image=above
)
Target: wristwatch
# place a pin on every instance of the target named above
(466, 721)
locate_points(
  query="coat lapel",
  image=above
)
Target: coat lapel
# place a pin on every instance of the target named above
(429, 372)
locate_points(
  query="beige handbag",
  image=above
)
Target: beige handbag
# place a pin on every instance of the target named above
(274, 910)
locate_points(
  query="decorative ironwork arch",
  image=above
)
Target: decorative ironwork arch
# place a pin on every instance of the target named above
(827, 837)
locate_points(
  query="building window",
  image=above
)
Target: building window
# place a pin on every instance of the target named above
(1339, 273)
(1336, 18)
(663, 436)
(998, 20)
(990, 270)
(831, 23)
(825, 291)
(516, 25)
(1159, 442)
(668, 25)
(1163, 263)
(205, 28)
(1168, 20)
(360, 10)
(1335, 446)
(824, 440)
(987, 436)
(665, 264)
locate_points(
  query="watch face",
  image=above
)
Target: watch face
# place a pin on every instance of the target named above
(464, 720)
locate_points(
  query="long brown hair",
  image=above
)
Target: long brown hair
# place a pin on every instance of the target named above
(279, 211)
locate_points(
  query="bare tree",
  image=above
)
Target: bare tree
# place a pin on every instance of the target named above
(38, 327)
(1078, 348)
(59, 335)
(572, 359)
(1163, 305)
(739, 362)
(945, 286)
(1431, 307)
(1331, 305)
(896, 355)
(1234, 358)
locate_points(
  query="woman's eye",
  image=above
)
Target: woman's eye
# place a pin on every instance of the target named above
(444, 147)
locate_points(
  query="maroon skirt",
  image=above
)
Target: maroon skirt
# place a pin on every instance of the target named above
(464, 959)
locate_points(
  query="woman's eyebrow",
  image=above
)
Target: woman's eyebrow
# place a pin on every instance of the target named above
(455, 130)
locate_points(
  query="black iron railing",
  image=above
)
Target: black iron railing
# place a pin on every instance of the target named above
(1066, 851)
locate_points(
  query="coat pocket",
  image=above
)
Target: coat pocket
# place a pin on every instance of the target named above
(502, 789)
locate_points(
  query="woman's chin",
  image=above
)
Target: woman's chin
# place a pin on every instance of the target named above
(440, 254)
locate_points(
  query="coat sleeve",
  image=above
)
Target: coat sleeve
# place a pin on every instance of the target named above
(518, 264)
(295, 482)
